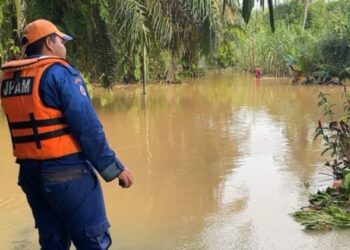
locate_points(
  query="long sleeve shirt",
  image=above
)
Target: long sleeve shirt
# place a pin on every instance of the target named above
(61, 87)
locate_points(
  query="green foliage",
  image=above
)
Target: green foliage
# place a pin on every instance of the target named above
(305, 55)
(335, 51)
(188, 29)
(336, 135)
(326, 208)
(9, 40)
(110, 35)
(290, 13)
(131, 32)
(245, 48)
(327, 198)
(92, 51)
(327, 218)
(226, 55)
(327, 108)
(338, 19)
(322, 46)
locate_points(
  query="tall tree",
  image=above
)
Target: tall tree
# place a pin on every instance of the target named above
(185, 29)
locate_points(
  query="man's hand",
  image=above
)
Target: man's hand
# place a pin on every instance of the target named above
(337, 184)
(125, 179)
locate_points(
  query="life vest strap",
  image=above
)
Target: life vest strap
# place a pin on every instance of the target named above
(37, 123)
(40, 137)
(33, 124)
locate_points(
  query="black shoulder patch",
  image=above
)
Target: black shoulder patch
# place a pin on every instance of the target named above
(20, 86)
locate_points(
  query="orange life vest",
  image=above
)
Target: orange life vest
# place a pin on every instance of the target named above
(37, 131)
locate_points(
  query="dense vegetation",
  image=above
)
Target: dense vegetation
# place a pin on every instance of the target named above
(311, 39)
(120, 40)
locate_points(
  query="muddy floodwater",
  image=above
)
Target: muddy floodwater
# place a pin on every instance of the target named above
(219, 163)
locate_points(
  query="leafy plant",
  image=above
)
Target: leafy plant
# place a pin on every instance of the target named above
(336, 135)
(327, 208)
(335, 52)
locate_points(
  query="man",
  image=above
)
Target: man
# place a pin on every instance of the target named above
(58, 140)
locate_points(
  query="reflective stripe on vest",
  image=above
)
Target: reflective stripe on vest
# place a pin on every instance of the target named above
(37, 131)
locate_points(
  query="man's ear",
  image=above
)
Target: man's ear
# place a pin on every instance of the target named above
(49, 43)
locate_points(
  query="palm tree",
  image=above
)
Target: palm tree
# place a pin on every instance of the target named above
(122, 32)
(183, 29)
(131, 32)
(87, 21)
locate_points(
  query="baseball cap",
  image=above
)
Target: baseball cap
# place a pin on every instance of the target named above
(39, 29)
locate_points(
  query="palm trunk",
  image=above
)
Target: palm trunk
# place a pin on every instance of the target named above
(253, 65)
(144, 69)
(17, 19)
(170, 71)
(306, 3)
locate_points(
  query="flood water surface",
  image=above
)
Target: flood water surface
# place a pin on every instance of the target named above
(219, 163)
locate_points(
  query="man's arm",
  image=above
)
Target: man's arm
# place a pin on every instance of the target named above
(63, 88)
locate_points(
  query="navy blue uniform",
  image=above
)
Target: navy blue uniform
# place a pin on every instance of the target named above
(64, 193)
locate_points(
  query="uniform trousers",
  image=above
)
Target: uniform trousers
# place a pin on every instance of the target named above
(67, 205)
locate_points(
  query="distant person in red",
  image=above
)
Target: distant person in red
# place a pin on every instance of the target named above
(258, 72)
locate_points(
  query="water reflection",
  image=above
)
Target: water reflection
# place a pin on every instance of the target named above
(219, 163)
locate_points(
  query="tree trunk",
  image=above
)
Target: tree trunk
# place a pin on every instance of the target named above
(144, 68)
(14, 22)
(17, 7)
(306, 3)
(253, 55)
(170, 71)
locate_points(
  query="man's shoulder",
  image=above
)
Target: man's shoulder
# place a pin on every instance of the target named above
(57, 69)
(57, 75)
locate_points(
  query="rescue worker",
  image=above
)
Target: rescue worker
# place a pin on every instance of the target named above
(59, 142)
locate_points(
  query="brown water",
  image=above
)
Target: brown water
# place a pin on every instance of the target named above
(219, 163)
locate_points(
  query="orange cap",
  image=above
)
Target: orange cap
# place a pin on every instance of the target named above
(39, 29)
